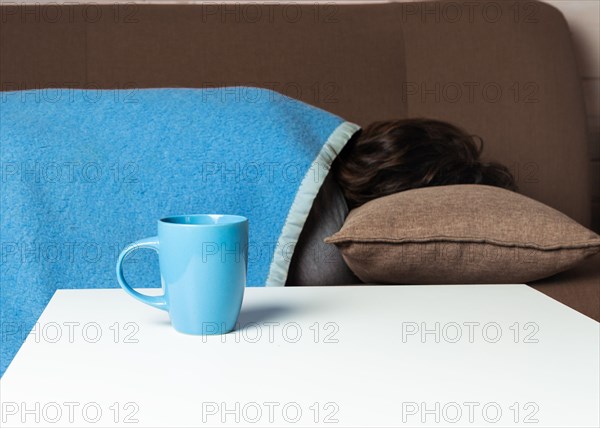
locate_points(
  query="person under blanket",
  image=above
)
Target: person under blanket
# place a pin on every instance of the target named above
(385, 158)
(392, 156)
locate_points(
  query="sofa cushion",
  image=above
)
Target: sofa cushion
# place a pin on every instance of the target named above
(578, 288)
(460, 234)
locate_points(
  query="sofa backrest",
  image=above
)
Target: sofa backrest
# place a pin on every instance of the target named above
(503, 70)
(506, 71)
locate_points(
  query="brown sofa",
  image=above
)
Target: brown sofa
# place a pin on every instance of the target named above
(503, 70)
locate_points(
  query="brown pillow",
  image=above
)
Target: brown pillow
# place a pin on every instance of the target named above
(460, 234)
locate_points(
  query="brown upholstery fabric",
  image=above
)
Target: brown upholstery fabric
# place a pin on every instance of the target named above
(324, 55)
(359, 61)
(461, 234)
(507, 73)
(538, 130)
(578, 288)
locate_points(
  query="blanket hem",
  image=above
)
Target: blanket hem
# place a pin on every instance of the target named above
(303, 201)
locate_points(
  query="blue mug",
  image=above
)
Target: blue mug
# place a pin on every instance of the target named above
(203, 264)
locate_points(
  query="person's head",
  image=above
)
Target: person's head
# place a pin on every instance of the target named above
(393, 156)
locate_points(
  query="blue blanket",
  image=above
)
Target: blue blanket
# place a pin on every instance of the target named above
(85, 172)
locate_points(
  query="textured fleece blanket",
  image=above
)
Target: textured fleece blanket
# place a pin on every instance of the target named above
(85, 172)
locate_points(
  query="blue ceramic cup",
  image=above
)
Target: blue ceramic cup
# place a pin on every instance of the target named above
(203, 263)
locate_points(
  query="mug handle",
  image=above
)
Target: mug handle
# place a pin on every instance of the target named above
(157, 301)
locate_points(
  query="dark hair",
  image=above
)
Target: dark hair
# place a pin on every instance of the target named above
(393, 156)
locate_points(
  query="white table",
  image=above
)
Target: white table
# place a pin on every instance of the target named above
(340, 356)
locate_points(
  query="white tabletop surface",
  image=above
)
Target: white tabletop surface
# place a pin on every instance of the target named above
(306, 356)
